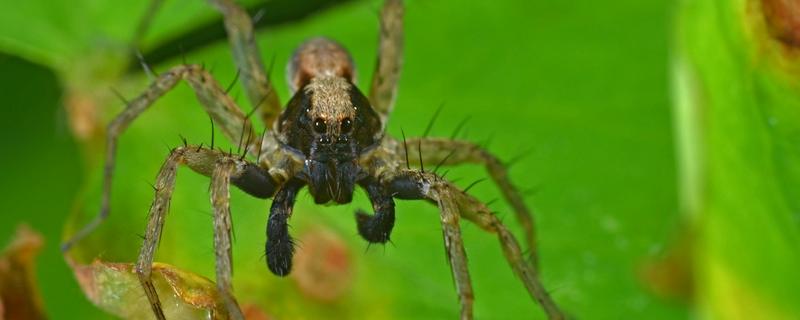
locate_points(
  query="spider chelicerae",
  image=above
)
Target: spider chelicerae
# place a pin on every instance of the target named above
(329, 138)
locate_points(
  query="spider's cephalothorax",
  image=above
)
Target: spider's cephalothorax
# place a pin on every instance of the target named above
(328, 120)
(331, 138)
(330, 123)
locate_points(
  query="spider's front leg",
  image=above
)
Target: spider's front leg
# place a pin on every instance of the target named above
(280, 246)
(453, 204)
(376, 228)
(442, 151)
(418, 185)
(217, 103)
(224, 170)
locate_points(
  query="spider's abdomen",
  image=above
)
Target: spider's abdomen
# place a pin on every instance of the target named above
(319, 58)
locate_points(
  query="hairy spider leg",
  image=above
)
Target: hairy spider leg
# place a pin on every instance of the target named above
(454, 203)
(280, 246)
(217, 104)
(419, 185)
(224, 169)
(247, 57)
(223, 248)
(383, 91)
(443, 151)
(376, 228)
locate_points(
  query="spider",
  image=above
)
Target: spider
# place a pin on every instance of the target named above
(329, 138)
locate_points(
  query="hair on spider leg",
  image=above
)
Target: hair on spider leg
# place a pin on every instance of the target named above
(247, 143)
(433, 119)
(438, 165)
(140, 236)
(419, 153)
(486, 142)
(212, 67)
(212, 130)
(241, 137)
(235, 79)
(514, 160)
(294, 242)
(268, 74)
(465, 135)
(460, 126)
(530, 258)
(255, 108)
(369, 245)
(183, 139)
(152, 186)
(530, 192)
(120, 96)
(147, 70)
(405, 147)
(259, 14)
(501, 217)
(166, 145)
(383, 245)
(263, 133)
(204, 212)
(473, 184)
(490, 202)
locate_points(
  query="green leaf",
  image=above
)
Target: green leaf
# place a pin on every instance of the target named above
(115, 288)
(740, 118)
(582, 83)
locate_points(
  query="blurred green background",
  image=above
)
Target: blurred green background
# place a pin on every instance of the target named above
(584, 85)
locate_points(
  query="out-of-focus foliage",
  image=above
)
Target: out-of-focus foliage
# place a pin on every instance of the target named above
(115, 288)
(738, 108)
(19, 294)
(583, 84)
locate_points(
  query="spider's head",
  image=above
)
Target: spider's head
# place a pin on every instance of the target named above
(328, 119)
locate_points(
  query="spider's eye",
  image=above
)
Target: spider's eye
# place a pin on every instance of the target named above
(319, 126)
(347, 125)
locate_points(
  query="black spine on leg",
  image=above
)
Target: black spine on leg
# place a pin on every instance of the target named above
(378, 227)
(256, 182)
(280, 246)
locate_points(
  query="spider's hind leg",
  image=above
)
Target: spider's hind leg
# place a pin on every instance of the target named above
(224, 170)
(383, 91)
(246, 54)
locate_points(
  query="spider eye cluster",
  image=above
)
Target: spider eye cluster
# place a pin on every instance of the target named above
(346, 125)
(319, 125)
